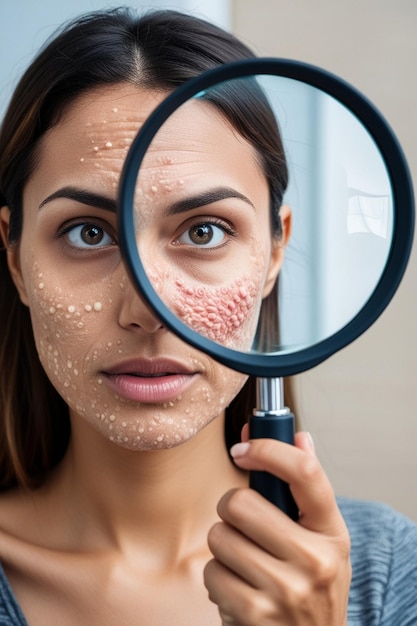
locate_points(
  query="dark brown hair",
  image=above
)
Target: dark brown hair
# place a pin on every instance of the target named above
(161, 50)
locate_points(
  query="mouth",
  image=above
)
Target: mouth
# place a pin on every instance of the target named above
(150, 381)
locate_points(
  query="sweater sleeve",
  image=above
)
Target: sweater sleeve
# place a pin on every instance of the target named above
(10, 613)
(384, 565)
(400, 606)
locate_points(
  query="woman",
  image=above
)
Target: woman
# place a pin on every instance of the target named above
(113, 460)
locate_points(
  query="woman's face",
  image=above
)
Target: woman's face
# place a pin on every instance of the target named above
(202, 208)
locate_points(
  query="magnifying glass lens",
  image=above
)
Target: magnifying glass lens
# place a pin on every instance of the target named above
(263, 214)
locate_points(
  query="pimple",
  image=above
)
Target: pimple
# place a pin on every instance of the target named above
(71, 308)
(97, 306)
(88, 307)
(41, 285)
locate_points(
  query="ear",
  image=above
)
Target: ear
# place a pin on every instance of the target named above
(13, 257)
(278, 250)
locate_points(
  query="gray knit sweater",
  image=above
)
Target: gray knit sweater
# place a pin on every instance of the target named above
(384, 562)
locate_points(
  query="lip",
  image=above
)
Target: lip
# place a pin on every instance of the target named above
(152, 381)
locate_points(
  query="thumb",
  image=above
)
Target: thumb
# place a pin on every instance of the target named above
(304, 441)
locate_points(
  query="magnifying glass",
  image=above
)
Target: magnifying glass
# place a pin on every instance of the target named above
(266, 216)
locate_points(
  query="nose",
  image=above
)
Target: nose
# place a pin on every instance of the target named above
(134, 313)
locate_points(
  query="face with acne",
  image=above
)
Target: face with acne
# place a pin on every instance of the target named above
(202, 218)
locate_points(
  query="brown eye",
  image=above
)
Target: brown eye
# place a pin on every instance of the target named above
(201, 234)
(92, 234)
(88, 235)
(205, 235)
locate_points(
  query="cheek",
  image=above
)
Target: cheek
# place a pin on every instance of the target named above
(226, 315)
(65, 326)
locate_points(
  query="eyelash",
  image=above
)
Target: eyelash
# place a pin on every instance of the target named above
(201, 223)
(66, 229)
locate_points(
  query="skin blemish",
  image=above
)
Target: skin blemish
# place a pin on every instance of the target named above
(88, 308)
(208, 311)
(108, 144)
(97, 306)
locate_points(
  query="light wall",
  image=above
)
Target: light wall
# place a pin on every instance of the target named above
(25, 25)
(360, 405)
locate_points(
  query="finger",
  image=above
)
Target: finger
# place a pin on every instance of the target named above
(304, 441)
(238, 603)
(266, 526)
(242, 556)
(301, 469)
(276, 545)
(261, 522)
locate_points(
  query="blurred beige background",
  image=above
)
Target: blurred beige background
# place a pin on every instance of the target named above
(360, 404)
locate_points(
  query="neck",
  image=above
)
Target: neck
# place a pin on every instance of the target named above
(115, 498)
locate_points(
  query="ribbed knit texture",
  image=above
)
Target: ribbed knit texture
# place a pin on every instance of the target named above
(384, 563)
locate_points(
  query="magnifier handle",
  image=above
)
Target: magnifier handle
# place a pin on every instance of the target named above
(281, 427)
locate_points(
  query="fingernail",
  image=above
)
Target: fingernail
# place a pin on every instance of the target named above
(239, 449)
(310, 441)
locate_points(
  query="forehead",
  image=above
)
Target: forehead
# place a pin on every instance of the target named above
(90, 142)
(101, 123)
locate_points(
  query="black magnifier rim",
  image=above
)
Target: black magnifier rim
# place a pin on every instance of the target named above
(277, 364)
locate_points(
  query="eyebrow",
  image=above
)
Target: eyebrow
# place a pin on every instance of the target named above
(181, 206)
(83, 196)
(206, 197)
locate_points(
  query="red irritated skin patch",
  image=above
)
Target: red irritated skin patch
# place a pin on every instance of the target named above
(220, 314)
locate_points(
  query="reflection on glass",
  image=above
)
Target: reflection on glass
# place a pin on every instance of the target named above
(208, 186)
